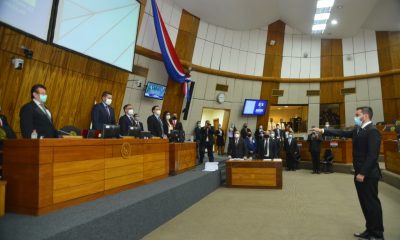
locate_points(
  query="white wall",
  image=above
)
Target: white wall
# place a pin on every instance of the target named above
(171, 14)
(228, 50)
(135, 96)
(205, 96)
(294, 63)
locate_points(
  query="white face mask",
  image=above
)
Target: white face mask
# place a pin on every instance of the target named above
(237, 135)
(108, 101)
(261, 127)
(168, 117)
(157, 112)
(130, 111)
(272, 135)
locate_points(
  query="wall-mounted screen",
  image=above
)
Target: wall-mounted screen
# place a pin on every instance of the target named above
(102, 29)
(254, 107)
(30, 16)
(154, 90)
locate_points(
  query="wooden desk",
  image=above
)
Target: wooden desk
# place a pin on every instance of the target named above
(343, 153)
(386, 136)
(392, 156)
(254, 174)
(48, 174)
(2, 197)
(182, 157)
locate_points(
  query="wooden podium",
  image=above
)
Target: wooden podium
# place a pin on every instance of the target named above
(48, 174)
(343, 152)
(392, 156)
(182, 157)
(254, 173)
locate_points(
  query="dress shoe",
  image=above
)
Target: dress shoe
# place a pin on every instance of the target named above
(363, 235)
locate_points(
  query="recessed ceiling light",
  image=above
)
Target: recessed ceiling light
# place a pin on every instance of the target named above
(286, 106)
(334, 22)
(339, 6)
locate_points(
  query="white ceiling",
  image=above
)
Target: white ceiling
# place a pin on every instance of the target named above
(380, 15)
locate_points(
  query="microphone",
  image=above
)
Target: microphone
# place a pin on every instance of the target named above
(67, 133)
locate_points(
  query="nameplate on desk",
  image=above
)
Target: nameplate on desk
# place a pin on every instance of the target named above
(299, 144)
(211, 167)
(334, 144)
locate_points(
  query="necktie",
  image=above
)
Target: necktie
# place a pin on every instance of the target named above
(162, 127)
(131, 119)
(268, 147)
(45, 111)
(236, 142)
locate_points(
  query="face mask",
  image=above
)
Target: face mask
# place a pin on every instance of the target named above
(130, 111)
(272, 135)
(261, 135)
(278, 127)
(266, 136)
(174, 118)
(157, 112)
(245, 126)
(260, 128)
(237, 135)
(43, 98)
(327, 126)
(168, 117)
(357, 121)
(136, 118)
(249, 134)
(232, 126)
(199, 125)
(108, 101)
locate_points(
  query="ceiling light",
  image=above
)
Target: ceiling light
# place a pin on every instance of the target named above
(334, 22)
(325, 3)
(321, 16)
(318, 27)
(340, 6)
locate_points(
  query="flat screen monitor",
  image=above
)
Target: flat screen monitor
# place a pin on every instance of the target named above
(105, 30)
(110, 131)
(30, 16)
(254, 107)
(154, 90)
(134, 132)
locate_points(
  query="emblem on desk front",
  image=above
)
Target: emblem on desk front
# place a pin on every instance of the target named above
(125, 150)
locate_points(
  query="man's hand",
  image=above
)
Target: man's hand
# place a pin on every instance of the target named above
(360, 178)
(318, 130)
(229, 156)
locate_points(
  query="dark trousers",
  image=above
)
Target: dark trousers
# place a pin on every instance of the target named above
(209, 147)
(315, 161)
(290, 162)
(367, 192)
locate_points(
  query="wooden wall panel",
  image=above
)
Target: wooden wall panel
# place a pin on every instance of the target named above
(332, 66)
(388, 44)
(272, 66)
(73, 81)
(184, 47)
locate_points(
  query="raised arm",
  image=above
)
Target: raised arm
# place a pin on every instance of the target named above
(335, 132)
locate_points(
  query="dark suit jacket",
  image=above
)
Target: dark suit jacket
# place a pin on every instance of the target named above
(7, 128)
(282, 134)
(292, 150)
(100, 116)
(154, 126)
(314, 143)
(124, 124)
(243, 132)
(207, 133)
(239, 150)
(273, 151)
(178, 125)
(366, 144)
(32, 117)
(138, 125)
(197, 134)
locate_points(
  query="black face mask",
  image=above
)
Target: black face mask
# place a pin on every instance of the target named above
(174, 118)
(266, 136)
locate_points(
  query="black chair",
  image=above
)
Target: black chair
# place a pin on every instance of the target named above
(327, 163)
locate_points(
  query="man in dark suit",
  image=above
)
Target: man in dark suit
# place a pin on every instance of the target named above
(136, 122)
(103, 113)
(197, 138)
(366, 144)
(126, 121)
(237, 148)
(35, 116)
(314, 141)
(176, 124)
(292, 151)
(154, 123)
(267, 147)
(8, 131)
(207, 142)
(279, 133)
(243, 132)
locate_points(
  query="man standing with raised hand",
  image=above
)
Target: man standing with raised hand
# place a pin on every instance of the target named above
(366, 144)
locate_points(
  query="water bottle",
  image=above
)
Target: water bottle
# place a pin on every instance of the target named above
(34, 134)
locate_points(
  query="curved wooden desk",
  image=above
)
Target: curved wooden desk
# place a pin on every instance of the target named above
(48, 174)
(392, 156)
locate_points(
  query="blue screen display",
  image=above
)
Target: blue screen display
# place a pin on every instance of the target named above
(154, 90)
(254, 107)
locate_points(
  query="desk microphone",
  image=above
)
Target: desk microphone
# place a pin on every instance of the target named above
(61, 131)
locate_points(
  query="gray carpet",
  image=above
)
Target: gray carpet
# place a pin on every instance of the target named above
(126, 215)
(309, 207)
